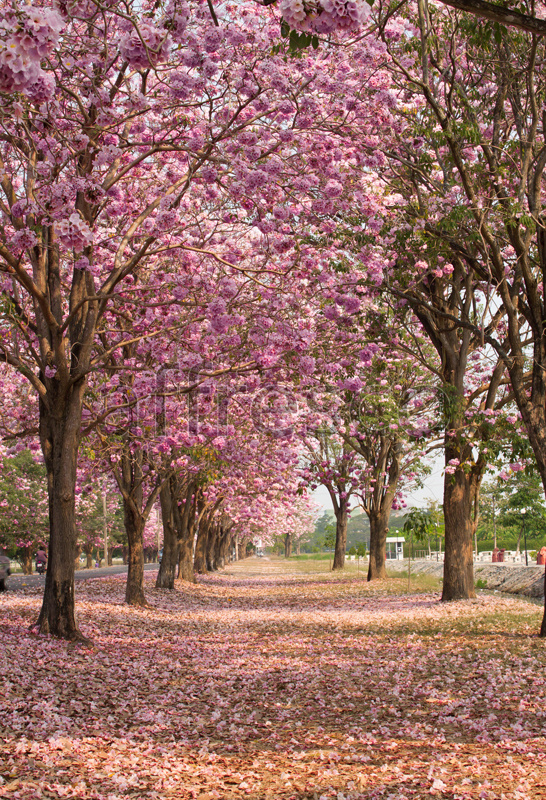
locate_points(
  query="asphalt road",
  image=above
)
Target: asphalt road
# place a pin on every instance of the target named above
(17, 581)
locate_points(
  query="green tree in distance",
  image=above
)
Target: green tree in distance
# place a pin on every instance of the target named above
(506, 505)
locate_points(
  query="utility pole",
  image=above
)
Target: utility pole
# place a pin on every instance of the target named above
(105, 527)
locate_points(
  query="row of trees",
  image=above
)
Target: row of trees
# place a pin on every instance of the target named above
(24, 514)
(232, 271)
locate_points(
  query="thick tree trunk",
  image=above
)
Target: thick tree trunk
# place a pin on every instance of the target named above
(341, 536)
(136, 510)
(224, 546)
(219, 548)
(186, 571)
(211, 546)
(288, 545)
(200, 558)
(79, 550)
(221, 553)
(26, 561)
(185, 527)
(379, 521)
(59, 436)
(241, 550)
(134, 527)
(458, 557)
(167, 568)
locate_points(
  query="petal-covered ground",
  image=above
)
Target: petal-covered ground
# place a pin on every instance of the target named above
(269, 681)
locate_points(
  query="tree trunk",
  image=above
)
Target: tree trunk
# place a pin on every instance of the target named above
(458, 556)
(379, 521)
(185, 524)
(129, 476)
(242, 550)
(287, 545)
(200, 557)
(134, 527)
(167, 568)
(77, 555)
(211, 546)
(59, 437)
(26, 561)
(186, 571)
(218, 554)
(341, 535)
(224, 547)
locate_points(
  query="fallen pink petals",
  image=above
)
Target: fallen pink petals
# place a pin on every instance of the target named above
(263, 682)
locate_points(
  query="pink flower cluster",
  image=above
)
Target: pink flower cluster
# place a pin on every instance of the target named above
(178, 13)
(26, 37)
(74, 232)
(145, 47)
(23, 239)
(325, 16)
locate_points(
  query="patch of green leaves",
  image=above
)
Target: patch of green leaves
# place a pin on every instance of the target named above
(297, 41)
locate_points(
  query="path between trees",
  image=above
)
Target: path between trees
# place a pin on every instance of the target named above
(272, 681)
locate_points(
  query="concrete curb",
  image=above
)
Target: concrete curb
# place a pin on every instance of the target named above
(511, 578)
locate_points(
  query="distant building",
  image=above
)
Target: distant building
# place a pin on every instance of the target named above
(395, 548)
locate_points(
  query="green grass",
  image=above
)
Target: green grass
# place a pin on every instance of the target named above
(418, 582)
(397, 582)
(312, 557)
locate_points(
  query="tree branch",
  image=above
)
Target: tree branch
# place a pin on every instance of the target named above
(501, 14)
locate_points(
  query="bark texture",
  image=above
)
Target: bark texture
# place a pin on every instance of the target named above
(185, 523)
(288, 545)
(206, 522)
(341, 534)
(200, 555)
(136, 510)
(458, 557)
(134, 528)
(59, 435)
(379, 521)
(167, 568)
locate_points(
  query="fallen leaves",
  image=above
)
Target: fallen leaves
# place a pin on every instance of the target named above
(274, 685)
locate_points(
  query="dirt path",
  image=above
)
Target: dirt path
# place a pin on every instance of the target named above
(272, 680)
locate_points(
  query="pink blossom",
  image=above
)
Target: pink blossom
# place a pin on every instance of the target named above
(74, 232)
(146, 47)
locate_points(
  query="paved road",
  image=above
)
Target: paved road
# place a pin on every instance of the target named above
(18, 581)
